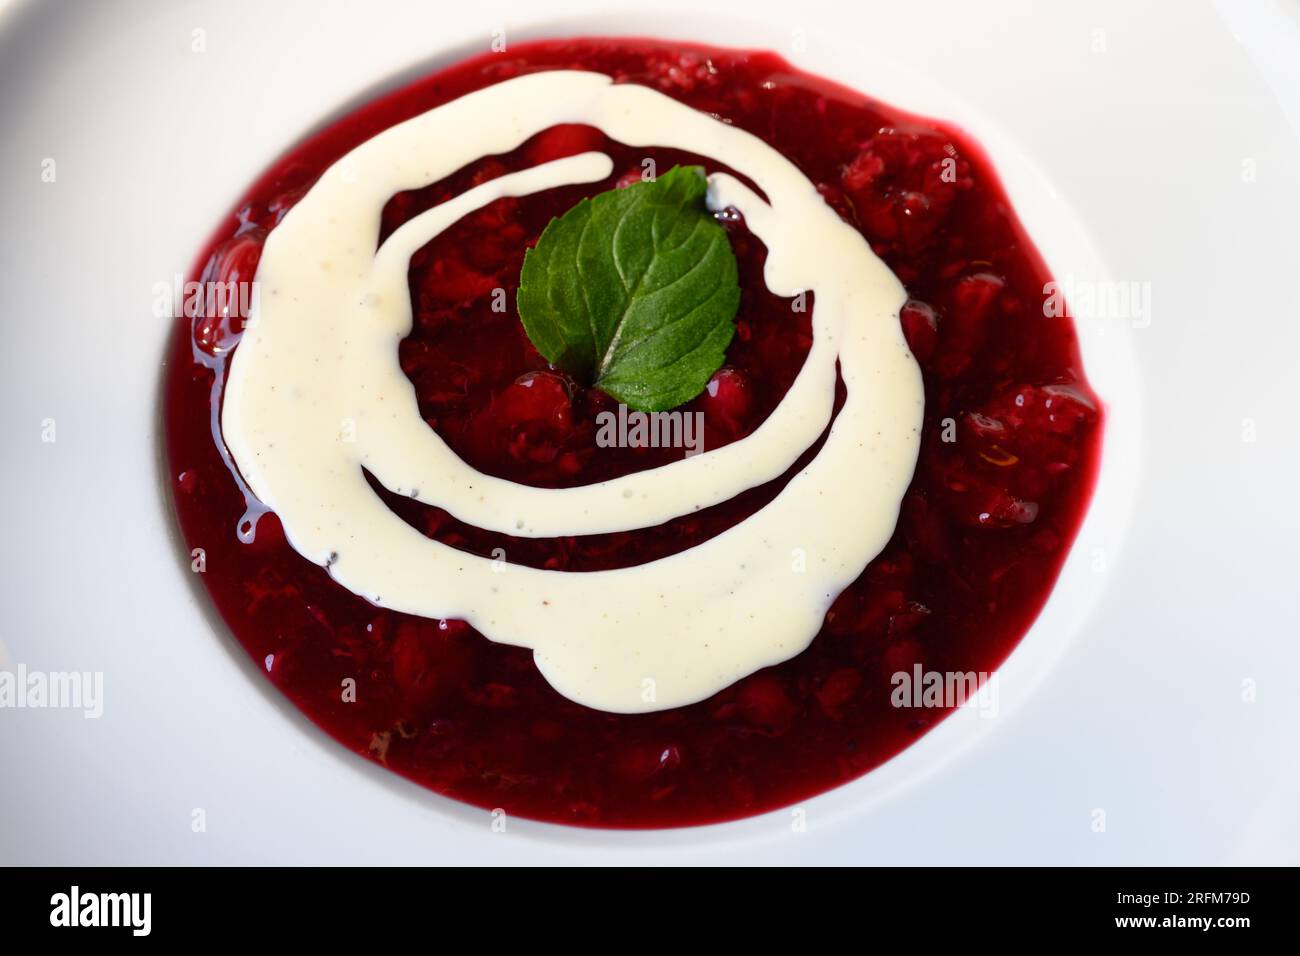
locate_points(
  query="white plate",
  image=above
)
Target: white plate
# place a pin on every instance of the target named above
(1158, 692)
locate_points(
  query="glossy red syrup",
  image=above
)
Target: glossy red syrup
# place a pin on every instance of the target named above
(983, 532)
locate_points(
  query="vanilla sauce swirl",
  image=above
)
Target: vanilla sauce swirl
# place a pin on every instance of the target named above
(316, 396)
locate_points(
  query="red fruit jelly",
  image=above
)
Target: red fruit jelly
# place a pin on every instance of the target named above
(1010, 449)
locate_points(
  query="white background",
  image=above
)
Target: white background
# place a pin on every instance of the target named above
(1123, 131)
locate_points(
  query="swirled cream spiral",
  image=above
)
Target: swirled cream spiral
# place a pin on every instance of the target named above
(321, 350)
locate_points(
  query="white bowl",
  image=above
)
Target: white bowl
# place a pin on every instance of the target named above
(1127, 155)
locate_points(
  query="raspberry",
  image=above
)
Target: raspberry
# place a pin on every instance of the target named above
(921, 327)
(568, 139)
(903, 185)
(535, 397)
(966, 320)
(763, 702)
(432, 661)
(838, 689)
(232, 265)
(727, 400)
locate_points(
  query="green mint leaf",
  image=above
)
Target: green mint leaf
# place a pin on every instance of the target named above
(634, 291)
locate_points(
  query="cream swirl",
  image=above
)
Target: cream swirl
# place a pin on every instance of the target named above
(316, 395)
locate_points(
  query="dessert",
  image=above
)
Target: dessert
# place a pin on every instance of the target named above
(409, 517)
